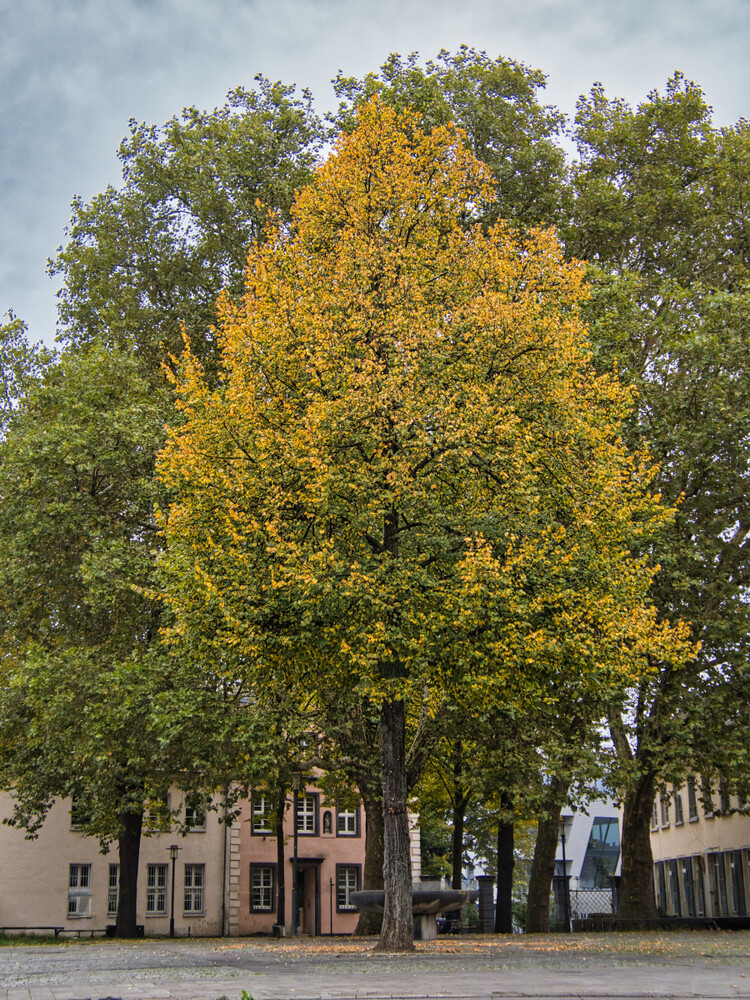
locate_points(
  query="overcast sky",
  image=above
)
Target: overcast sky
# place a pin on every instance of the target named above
(72, 72)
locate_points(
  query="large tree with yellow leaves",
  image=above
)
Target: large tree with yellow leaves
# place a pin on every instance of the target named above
(409, 477)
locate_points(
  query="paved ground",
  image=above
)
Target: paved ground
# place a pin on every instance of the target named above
(678, 965)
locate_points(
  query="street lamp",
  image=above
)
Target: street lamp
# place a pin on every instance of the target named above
(296, 785)
(173, 851)
(566, 883)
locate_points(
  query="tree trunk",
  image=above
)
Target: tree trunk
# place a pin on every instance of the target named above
(636, 892)
(129, 847)
(543, 865)
(505, 862)
(369, 922)
(397, 930)
(281, 860)
(460, 803)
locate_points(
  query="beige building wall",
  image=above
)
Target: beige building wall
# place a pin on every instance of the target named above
(225, 874)
(701, 855)
(36, 877)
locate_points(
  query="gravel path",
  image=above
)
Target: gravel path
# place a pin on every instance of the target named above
(624, 967)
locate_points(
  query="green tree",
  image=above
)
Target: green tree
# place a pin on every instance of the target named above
(91, 705)
(662, 210)
(408, 475)
(147, 261)
(497, 104)
(21, 364)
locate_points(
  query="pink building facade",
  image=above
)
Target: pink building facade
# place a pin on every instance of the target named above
(226, 874)
(330, 861)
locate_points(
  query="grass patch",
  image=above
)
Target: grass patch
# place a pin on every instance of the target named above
(32, 939)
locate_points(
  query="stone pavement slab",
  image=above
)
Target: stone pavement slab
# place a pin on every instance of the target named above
(683, 966)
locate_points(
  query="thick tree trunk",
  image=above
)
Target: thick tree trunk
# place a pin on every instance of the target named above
(129, 847)
(457, 843)
(369, 922)
(505, 862)
(543, 865)
(636, 892)
(281, 861)
(460, 803)
(397, 930)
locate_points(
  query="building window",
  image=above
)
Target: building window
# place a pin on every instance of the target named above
(734, 859)
(655, 814)
(692, 800)
(688, 885)
(156, 890)
(262, 884)
(708, 800)
(602, 852)
(725, 802)
(113, 892)
(678, 813)
(664, 809)
(195, 814)
(79, 891)
(347, 822)
(158, 814)
(347, 882)
(79, 814)
(260, 810)
(718, 885)
(307, 814)
(194, 884)
(700, 895)
(674, 888)
(661, 889)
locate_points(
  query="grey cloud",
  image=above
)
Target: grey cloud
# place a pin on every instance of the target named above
(73, 71)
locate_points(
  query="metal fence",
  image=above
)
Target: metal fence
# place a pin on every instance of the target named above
(591, 902)
(568, 904)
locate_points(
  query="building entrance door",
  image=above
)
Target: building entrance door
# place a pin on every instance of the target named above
(308, 897)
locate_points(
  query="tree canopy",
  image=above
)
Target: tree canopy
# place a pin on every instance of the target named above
(409, 473)
(400, 476)
(661, 210)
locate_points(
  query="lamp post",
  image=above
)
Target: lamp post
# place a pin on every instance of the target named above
(566, 883)
(296, 783)
(173, 851)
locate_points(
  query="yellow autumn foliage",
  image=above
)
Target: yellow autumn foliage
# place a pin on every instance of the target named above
(409, 475)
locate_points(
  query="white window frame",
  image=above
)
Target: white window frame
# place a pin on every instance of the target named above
(195, 815)
(194, 900)
(79, 890)
(347, 881)
(156, 890)
(259, 809)
(78, 818)
(347, 822)
(306, 816)
(692, 800)
(262, 886)
(679, 814)
(113, 890)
